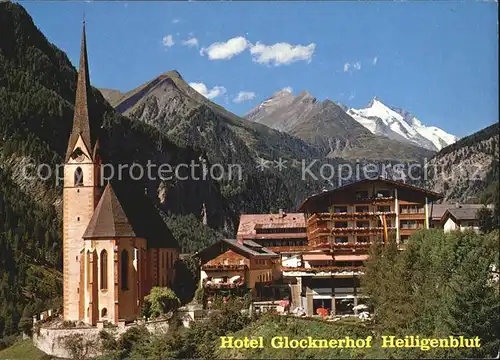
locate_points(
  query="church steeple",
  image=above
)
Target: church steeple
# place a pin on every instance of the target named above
(81, 123)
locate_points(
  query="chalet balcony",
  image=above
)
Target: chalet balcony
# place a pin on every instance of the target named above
(223, 285)
(324, 217)
(408, 231)
(383, 199)
(361, 215)
(224, 267)
(322, 271)
(320, 230)
(359, 230)
(412, 216)
(331, 244)
(286, 249)
(231, 283)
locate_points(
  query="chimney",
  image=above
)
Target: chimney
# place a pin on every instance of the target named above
(281, 212)
(457, 205)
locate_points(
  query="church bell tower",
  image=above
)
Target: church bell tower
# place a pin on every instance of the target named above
(81, 192)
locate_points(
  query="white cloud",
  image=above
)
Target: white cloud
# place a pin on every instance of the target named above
(168, 41)
(244, 96)
(281, 53)
(176, 21)
(352, 66)
(226, 50)
(191, 42)
(375, 59)
(209, 94)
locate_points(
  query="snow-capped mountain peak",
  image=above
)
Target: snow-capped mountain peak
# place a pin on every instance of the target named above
(400, 125)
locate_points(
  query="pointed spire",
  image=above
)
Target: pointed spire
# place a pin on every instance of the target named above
(81, 124)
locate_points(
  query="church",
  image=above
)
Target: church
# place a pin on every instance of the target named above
(116, 246)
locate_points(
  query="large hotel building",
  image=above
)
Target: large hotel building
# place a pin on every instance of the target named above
(322, 247)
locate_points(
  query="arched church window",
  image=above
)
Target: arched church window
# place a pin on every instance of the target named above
(104, 312)
(124, 270)
(104, 270)
(78, 176)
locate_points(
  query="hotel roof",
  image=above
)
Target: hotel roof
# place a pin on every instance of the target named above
(250, 222)
(430, 194)
(246, 248)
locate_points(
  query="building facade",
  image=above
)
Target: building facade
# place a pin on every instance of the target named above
(236, 266)
(322, 248)
(115, 247)
(460, 218)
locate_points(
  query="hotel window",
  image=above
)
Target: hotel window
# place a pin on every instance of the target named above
(341, 224)
(361, 195)
(383, 193)
(242, 262)
(363, 239)
(384, 208)
(412, 209)
(411, 224)
(341, 240)
(362, 209)
(340, 209)
(225, 262)
(362, 224)
(404, 239)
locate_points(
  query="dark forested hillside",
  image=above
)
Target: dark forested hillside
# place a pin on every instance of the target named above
(467, 169)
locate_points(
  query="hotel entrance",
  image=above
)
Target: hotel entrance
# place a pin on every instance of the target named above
(344, 305)
(322, 302)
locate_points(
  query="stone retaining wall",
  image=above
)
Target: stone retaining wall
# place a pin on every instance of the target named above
(51, 339)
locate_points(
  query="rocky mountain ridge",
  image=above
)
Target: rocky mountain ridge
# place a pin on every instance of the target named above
(399, 124)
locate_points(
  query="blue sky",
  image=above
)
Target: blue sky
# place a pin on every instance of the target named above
(437, 60)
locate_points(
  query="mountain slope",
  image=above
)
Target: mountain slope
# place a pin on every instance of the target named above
(170, 104)
(328, 127)
(400, 125)
(463, 170)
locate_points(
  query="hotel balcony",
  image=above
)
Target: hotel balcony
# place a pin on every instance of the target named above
(412, 216)
(359, 230)
(223, 285)
(323, 217)
(326, 271)
(331, 244)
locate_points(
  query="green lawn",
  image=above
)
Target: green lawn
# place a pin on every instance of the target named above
(23, 350)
